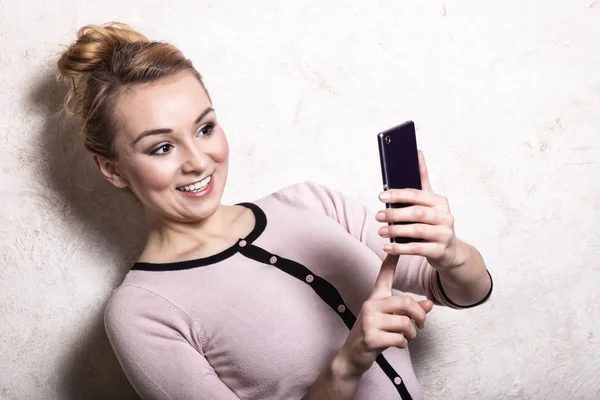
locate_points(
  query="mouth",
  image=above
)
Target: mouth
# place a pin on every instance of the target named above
(196, 186)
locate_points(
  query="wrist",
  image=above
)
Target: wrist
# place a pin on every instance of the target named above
(335, 381)
(462, 255)
(460, 273)
(341, 369)
(468, 281)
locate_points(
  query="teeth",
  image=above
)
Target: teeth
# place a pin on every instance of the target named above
(196, 186)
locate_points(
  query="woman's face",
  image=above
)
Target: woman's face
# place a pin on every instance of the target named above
(170, 139)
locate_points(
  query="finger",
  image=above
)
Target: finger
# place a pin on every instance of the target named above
(403, 305)
(426, 215)
(425, 184)
(426, 305)
(382, 340)
(385, 279)
(410, 196)
(434, 251)
(430, 233)
(398, 324)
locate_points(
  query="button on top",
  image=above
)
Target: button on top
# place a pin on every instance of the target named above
(273, 260)
(309, 278)
(397, 380)
(341, 308)
(243, 243)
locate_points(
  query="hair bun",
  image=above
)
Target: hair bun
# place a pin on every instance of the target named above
(95, 44)
(102, 62)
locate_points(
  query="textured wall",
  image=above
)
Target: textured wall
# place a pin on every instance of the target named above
(506, 97)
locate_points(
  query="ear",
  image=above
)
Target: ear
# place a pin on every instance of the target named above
(108, 168)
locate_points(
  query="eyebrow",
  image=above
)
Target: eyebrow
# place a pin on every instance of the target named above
(161, 131)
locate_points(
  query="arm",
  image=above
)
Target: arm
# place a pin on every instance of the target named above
(334, 382)
(469, 283)
(160, 348)
(414, 274)
(384, 321)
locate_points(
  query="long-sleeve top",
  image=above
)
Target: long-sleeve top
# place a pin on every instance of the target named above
(262, 318)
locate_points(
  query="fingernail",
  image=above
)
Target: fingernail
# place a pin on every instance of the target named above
(384, 196)
(383, 231)
(380, 216)
(387, 247)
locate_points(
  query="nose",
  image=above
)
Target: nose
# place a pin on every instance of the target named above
(194, 159)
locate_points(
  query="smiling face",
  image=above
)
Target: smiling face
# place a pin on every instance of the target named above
(169, 139)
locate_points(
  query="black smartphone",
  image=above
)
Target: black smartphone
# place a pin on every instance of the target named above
(400, 164)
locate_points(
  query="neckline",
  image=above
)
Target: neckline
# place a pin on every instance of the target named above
(259, 227)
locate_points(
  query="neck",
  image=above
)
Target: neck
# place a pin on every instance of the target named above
(168, 238)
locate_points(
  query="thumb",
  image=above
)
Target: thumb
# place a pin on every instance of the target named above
(425, 184)
(426, 305)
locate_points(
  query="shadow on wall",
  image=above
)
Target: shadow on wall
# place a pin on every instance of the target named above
(111, 218)
(91, 205)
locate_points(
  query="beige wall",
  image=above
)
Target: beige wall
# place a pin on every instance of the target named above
(506, 97)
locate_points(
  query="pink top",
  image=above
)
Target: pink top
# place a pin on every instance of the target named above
(261, 319)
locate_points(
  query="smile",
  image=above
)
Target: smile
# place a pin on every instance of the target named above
(196, 186)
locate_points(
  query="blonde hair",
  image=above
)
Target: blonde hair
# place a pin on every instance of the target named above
(100, 64)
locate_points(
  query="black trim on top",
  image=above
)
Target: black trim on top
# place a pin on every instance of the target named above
(392, 374)
(329, 294)
(325, 290)
(487, 296)
(259, 227)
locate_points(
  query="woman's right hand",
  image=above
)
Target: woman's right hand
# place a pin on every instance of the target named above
(384, 320)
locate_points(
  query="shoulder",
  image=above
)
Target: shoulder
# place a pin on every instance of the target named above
(307, 195)
(131, 306)
(300, 190)
(137, 319)
(125, 303)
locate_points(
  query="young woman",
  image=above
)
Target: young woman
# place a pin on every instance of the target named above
(284, 297)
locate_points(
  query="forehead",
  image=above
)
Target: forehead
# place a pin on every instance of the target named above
(171, 102)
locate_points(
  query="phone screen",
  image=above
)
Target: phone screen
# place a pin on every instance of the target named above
(400, 162)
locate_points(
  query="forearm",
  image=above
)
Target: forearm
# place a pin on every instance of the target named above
(334, 382)
(468, 282)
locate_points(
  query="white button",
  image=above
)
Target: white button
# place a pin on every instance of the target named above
(309, 278)
(397, 380)
(341, 308)
(273, 260)
(243, 243)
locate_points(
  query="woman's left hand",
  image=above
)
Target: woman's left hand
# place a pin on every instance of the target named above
(428, 217)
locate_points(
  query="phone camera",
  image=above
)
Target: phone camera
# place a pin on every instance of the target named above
(388, 140)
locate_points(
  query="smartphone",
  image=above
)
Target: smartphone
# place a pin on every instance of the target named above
(400, 164)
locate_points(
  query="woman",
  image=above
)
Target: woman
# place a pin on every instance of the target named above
(284, 297)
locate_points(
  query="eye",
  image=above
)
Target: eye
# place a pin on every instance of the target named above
(206, 130)
(157, 151)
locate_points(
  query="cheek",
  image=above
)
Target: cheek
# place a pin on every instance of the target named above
(155, 175)
(220, 151)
